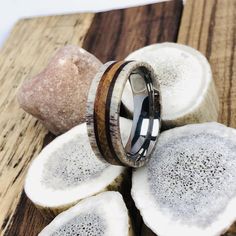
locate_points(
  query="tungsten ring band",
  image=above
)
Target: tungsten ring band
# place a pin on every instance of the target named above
(103, 113)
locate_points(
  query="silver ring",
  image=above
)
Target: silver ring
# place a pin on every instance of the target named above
(103, 113)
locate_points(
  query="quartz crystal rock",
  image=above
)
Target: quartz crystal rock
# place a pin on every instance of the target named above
(58, 95)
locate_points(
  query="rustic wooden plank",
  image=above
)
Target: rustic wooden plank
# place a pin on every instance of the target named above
(30, 45)
(112, 35)
(22, 224)
(210, 26)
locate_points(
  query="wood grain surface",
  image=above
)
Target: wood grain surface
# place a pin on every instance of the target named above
(113, 35)
(26, 52)
(109, 35)
(210, 26)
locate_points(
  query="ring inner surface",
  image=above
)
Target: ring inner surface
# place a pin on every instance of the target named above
(146, 117)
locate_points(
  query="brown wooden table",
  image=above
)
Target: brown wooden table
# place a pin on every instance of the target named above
(207, 25)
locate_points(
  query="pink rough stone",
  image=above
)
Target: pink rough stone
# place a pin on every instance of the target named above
(58, 95)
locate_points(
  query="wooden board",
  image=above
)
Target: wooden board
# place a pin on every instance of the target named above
(210, 26)
(110, 35)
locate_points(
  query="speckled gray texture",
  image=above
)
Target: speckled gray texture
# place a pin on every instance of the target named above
(72, 164)
(86, 224)
(170, 72)
(58, 95)
(193, 177)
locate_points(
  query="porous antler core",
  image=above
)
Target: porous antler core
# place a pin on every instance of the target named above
(186, 179)
(72, 164)
(89, 224)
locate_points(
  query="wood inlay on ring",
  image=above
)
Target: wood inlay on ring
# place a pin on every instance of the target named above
(100, 112)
